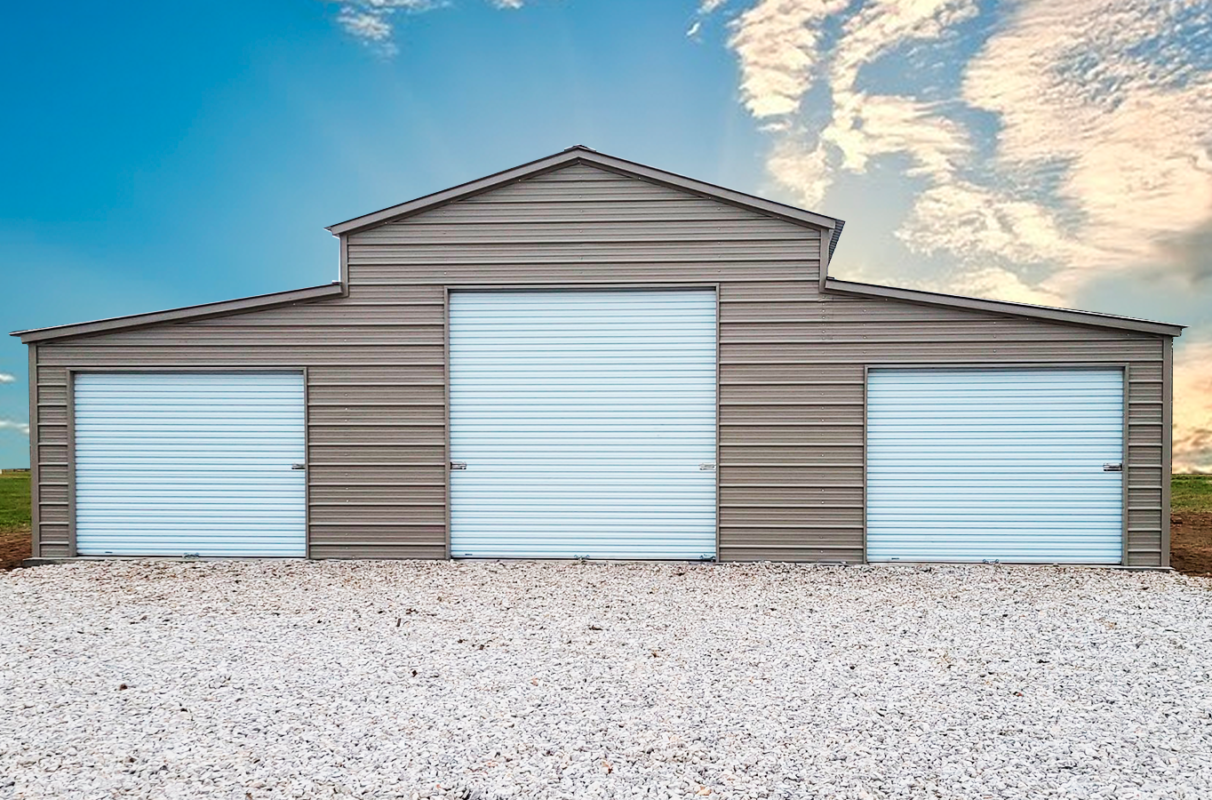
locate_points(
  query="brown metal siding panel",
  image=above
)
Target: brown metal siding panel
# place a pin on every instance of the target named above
(50, 473)
(363, 257)
(243, 355)
(375, 398)
(358, 548)
(389, 297)
(55, 548)
(791, 363)
(929, 350)
(1147, 467)
(587, 272)
(815, 353)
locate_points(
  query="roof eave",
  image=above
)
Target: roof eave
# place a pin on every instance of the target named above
(1088, 318)
(177, 314)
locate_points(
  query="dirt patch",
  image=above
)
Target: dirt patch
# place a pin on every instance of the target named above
(1191, 542)
(15, 547)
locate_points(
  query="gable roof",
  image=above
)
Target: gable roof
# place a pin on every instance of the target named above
(579, 154)
(583, 155)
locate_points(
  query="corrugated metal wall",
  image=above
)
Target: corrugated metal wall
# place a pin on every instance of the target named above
(791, 364)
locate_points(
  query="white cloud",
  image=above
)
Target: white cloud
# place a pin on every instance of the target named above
(802, 168)
(9, 424)
(7, 378)
(974, 221)
(373, 22)
(865, 126)
(883, 25)
(778, 44)
(1098, 97)
(1102, 93)
(1094, 154)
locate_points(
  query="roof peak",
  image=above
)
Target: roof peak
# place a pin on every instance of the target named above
(581, 153)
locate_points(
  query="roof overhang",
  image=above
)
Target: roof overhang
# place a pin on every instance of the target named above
(583, 155)
(178, 314)
(1002, 307)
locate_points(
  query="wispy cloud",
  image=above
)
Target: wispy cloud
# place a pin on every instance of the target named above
(778, 43)
(1103, 151)
(1103, 99)
(374, 22)
(1075, 143)
(6, 377)
(9, 424)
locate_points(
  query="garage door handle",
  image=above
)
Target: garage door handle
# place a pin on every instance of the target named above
(1113, 467)
(298, 466)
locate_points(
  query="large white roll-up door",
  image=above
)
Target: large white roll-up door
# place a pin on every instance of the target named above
(172, 464)
(586, 420)
(1010, 465)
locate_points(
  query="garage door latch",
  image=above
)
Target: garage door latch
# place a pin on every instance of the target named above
(458, 465)
(707, 466)
(298, 466)
(1113, 467)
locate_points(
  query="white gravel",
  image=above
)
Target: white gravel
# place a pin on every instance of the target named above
(379, 680)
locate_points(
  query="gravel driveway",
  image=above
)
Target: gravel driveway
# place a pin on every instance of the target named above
(378, 679)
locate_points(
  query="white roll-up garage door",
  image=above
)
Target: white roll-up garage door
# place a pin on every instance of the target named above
(1009, 465)
(586, 420)
(172, 464)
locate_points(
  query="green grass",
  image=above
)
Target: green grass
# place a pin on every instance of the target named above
(14, 500)
(1188, 493)
(1191, 493)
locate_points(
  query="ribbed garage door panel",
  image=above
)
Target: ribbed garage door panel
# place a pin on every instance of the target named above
(189, 463)
(583, 418)
(999, 464)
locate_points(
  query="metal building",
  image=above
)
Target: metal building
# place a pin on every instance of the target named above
(587, 357)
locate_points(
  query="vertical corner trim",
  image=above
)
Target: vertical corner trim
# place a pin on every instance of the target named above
(71, 463)
(307, 465)
(1167, 443)
(824, 268)
(446, 418)
(1125, 475)
(344, 270)
(34, 471)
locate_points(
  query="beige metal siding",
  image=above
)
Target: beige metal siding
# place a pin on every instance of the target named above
(791, 363)
(376, 418)
(794, 400)
(49, 470)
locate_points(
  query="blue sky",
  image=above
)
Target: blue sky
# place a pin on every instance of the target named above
(160, 155)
